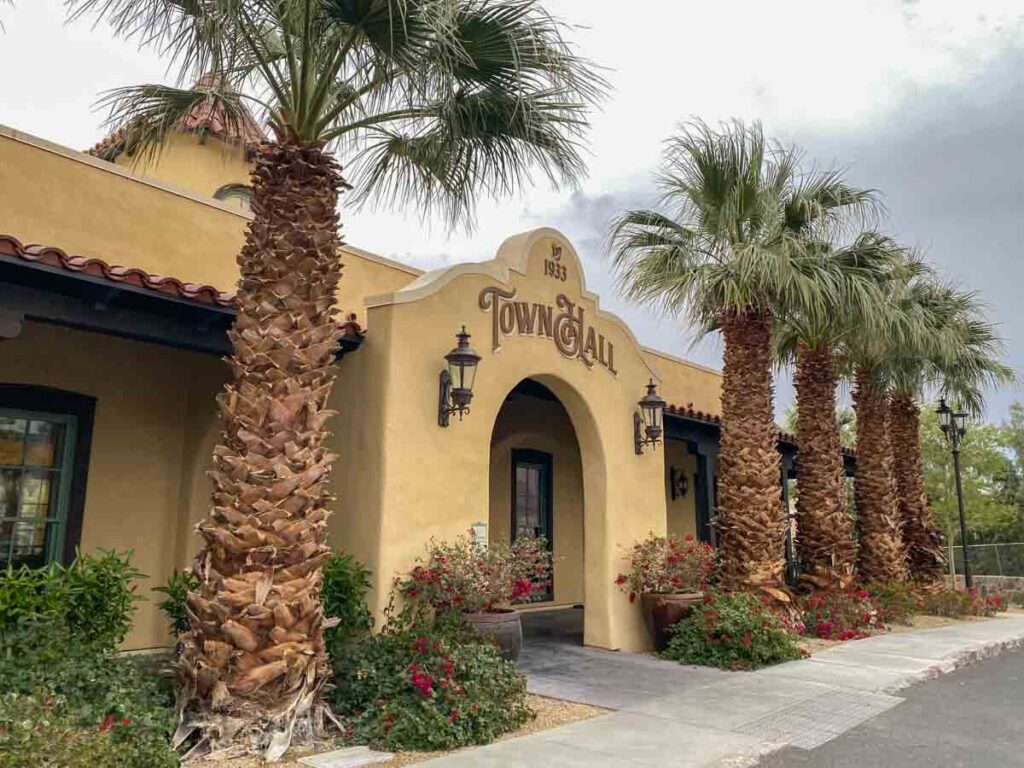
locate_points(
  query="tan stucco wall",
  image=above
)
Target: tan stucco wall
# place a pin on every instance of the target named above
(686, 384)
(151, 403)
(682, 513)
(199, 167)
(541, 425)
(161, 223)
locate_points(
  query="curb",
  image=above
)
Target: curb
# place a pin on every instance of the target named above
(959, 660)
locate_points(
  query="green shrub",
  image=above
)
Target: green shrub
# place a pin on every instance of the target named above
(90, 601)
(732, 631)
(1017, 598)
(969, 602)
(426, 687)
(178, 585)
(39, 731)
(59, 630)
(896, 600)
(346, 583)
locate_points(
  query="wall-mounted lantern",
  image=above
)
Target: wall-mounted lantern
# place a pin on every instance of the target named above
(678, 483)
(647, 427)
(456, 387)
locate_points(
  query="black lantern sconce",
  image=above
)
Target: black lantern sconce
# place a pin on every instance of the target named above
(647, 427)
(678, 483)
(456, 387)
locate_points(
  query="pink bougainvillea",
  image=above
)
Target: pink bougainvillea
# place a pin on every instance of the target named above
(461, 576)
(665, 564)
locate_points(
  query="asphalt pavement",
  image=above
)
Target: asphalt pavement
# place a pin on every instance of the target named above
(970, 718)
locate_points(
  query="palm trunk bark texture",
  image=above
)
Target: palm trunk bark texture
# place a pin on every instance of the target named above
(824, 530)
(750, 520)
(925, 556)
(253, 660)
(881, 556)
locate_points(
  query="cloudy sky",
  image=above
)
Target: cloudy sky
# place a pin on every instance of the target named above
(921, 99)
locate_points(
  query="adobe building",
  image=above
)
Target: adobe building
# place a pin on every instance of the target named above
(108, 376)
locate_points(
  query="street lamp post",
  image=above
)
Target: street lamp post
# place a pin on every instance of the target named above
(954, 425)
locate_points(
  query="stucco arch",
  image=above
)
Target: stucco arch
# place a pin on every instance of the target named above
(412, 480)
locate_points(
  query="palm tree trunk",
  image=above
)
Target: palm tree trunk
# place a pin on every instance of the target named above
(751, 520)
(824, 531)
(921, 536)
(254, 659)
(881, 556)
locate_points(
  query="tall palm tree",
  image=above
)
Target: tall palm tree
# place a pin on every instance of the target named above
(728, 254)
(881, 555)
(960, 358)
(428, 103)
(813, 345)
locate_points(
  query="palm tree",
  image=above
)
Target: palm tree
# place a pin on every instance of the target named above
(427, 102)
(824, 530)
(729, 255)
(881, 554)
(960, 358)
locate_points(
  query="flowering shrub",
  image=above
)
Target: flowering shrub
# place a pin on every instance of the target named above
(832, 614)
(896, 600)
(732, 631)
(665, 564)
(428, 687)
(970, 602)
(461, 576)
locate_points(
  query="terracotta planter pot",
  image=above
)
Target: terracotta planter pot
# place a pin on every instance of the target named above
(505, 628)
(662, 611)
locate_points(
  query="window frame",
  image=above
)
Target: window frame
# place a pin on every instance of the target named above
(64, 464)
(44, 401)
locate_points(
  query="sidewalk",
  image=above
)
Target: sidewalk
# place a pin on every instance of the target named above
(732, 719)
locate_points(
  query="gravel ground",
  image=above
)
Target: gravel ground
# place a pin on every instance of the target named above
(551, 713)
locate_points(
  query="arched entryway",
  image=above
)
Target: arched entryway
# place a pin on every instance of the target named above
(537, 487)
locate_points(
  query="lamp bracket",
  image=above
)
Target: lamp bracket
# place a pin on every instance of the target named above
(444, 399)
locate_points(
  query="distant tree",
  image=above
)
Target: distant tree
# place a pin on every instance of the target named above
(991, 478)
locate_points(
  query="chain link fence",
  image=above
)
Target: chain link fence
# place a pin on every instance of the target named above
(1004, 559)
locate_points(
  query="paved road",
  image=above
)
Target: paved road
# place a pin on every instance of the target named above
(972, 718)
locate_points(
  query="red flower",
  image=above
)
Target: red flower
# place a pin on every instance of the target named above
(522, 589)
(454, 716)
(421, 644)
(423, 682)
(108, 723)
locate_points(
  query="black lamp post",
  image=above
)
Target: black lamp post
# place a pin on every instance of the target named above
(954, 425)
(456, 385)
(647, 428)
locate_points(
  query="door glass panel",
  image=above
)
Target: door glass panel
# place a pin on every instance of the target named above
(531, 500)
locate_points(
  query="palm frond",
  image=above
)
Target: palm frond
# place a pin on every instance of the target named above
(144, 116)
(427, 101)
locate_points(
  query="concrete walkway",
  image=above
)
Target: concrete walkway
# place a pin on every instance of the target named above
(674, 716)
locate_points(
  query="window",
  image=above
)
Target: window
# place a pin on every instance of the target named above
(237, 192)
(36, 461)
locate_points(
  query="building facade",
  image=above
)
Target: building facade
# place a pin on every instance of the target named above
(108, 376)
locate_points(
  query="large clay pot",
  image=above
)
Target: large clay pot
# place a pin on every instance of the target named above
(662, 611)
(504, 627)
